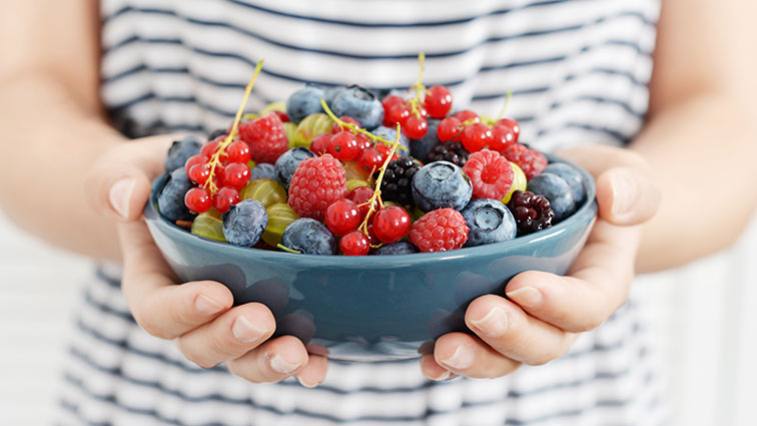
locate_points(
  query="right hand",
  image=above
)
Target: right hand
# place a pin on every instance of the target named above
(198, 315)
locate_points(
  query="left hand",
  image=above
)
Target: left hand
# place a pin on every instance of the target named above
(538, 320)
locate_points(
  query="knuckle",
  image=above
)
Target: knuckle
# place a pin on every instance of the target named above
(198, 357)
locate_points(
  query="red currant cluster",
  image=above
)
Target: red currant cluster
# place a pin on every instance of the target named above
(437, 103)
(475, 134)
(347, 144)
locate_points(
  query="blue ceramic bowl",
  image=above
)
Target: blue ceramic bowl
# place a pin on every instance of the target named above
(370, 308)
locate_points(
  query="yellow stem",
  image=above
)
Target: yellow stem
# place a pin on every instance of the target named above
(376, 197)
(355, 129)
(506, 106)
(287, 249)
(420, 89)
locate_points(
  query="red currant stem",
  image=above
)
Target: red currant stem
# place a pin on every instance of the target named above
(420, 89)
(215, 160)
(287, 249)
(356, 129)
(376, 197)
(506, 106)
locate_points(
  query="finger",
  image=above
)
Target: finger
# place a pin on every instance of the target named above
(229, 336)
(507, 329)
(120, 183)
(160, 307)
(314, 372)
(597, 285)
(468, 356)
(433, 371)
(271, 362)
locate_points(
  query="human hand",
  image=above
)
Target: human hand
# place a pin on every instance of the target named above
(198, 315)
(538, 319)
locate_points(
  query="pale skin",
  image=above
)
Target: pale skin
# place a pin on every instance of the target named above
(72, 180)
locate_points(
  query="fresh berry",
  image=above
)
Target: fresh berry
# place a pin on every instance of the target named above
(467, 116)
(532, 162)
(359, 104)
(199, 173)
(316, 184)
(398, 177)
(209, 226)
(502, 137)
(396, 113)
(384, 150)
(476, 137)
(512, 125)
(263, 171)
(336, 127)
(171, 198)
(180, 151)
(402, 247)
(308, 236)
(287, 164)
(519, 182)
(304, 102)
(210, 148)
(280, 215)
(391, 224)
(308, 129)
(195, 160)
(450, 151)
(415, 127)
(441, 184)
(390, 134)
(284, 117)
(439, 230)
(360, 196)
(320, 144)
(532, 212)
(266, 192)
(420, 148)
(344, 146)
(450, 129)
(243, 225)
(557, 191)
(342, 217)
(490, 173)
(266, 137)
(354, 244)
(238, 152)
(225, 199)
(371, 160)
(236, 175)
(438, 102)
(390, 101)
(198, 200)
(572, 177)
(489, 221)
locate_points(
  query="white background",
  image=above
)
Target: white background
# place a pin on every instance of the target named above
(705, 317)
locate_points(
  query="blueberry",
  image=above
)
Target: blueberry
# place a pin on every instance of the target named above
(244, 223)
(420, 148)
(308, 236)
(441, 184)
(557, 191)
(391, 135)
(180, 152)
(288, 163)
(331, 92)
(402, 247)
(304, 102)
(489, 222)
(171, 198)
(360, 104)
(263, 171)
(572, 177)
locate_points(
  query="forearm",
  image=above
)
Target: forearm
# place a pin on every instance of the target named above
(701, 152)
(50, 141)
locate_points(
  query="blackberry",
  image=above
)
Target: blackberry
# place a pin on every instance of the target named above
(450, 151)
(398, 177)
(532, 212)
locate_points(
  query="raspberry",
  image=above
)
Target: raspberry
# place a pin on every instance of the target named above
(439, 230)
(266, 137)
(397, 179)
(532, 212)
(316, 184)
(530, 161)
(450, 151)
(490, 173)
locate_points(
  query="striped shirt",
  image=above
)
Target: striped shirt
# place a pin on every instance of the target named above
(579, 73)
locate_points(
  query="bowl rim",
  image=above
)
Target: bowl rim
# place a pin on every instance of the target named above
(589, 207)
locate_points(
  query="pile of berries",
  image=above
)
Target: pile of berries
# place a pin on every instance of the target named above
(338, 170)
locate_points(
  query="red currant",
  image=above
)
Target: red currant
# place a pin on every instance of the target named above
(284, 117)
(438, 102)
(449, 130)
(238, 152)
(384, 149)
(512, 125)
(193, 161)
(226, 198)
(476, 137)
(391, 224)
(363, 142)
(396, 114)
(502, 136)
(390, 101)
(415, 127)
(371, 159)
(320, 144)
(236, 175)
(360, 197)
(347, 119)
(342, 217)
(197, 200)
(199, 173)
(344, 146)
(354, 244)
(467, 115)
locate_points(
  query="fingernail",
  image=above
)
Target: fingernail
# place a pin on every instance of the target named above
(306, 384)
(625, 193)
(446, 375)
(206, 305)
(280, 365)
(528, 297)
(120, 195)
(245, 331)
(461, 359)
(493, 324)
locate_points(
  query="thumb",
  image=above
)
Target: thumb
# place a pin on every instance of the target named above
(120, 183)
